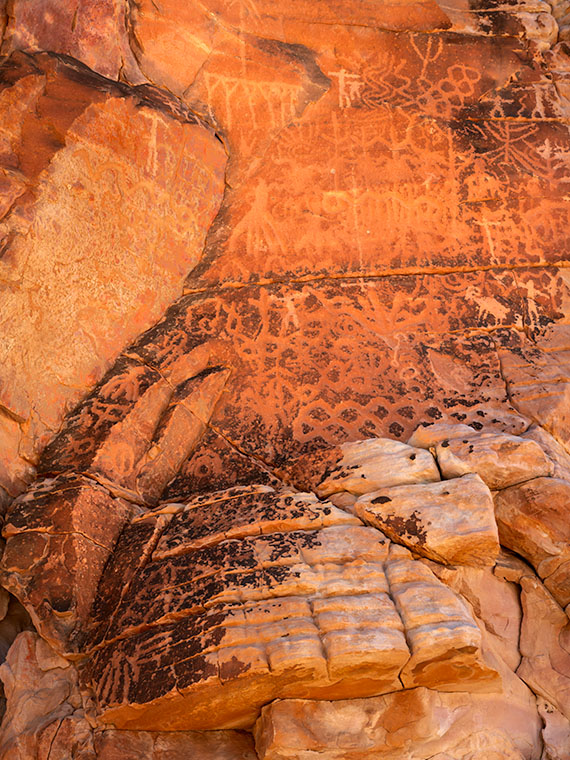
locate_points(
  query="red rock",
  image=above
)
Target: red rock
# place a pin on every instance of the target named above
(537, 374)
(44, 716)
(416, 723)
(390, 250)
(501, 460)
(174, 745)
(92, 31)
(388, 284)
(553, 449)
(556, 731)
(426, 436)
(214, 607)
(59, 536)
(273, 606)
(545, 646)
(88, 165)
(533, 521)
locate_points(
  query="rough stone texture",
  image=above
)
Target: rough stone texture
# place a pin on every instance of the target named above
(536, 373)
(534, 520)
(500, 460)
(180, 745)
(104, 190)
(249, 595)
(452, 522)
(556, 731)
(44, 716)
(494, 603)
(92, 31)
(361, 467)
(368, 192)
(553, 449)
(545, 646)
(45, 719)
(426, 436)
(390, 251)
(60, 535)
(417, 724)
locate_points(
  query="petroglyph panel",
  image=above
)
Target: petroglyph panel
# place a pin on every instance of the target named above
(250, 594)
(120, 187)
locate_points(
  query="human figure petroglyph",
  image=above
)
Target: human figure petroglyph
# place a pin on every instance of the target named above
(349, 86)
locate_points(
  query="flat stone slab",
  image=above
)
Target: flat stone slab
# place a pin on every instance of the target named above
(500, 459)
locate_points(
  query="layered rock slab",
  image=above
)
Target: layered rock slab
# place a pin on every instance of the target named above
(248, 595)
(417, 724)
(60, 534)
(452, 522)
(501, 460)
(105, 190)
(361, 467)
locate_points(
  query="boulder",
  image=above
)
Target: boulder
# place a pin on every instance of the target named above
(501, 460)
(556, 731)
(362, 467)
(418, 724)
(212, 608)
(44, 716)
(533, 521)
(444, 639)
(59, 535)
(451, 522)
(545, 646)
(494, 602)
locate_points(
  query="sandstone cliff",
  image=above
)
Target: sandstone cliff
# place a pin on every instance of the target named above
(284, 379)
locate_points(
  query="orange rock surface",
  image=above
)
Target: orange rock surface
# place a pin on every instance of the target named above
(271, 270)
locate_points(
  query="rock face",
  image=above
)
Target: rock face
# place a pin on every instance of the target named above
(417, 724)
(105, 189)
(533, 521)
(284, 396)
(251, 595)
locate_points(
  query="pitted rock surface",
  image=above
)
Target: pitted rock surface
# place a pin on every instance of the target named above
(252, 595)
(355, 216)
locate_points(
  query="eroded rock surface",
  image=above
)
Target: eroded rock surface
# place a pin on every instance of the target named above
(253, 595)
(452, 522)
(418, 724)
(356, 214)
(105, 191)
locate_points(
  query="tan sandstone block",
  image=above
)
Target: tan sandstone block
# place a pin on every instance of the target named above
(426, 436)
(534, 521)
(451, 522)
(545, 646)
(369, 465)
(444, 639)
(416, 724)
(500, 459)
(553, 449)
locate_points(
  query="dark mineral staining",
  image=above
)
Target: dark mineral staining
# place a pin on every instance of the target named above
(398, 526)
